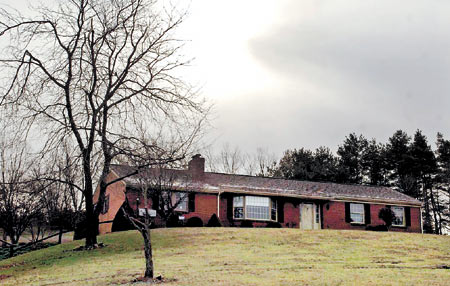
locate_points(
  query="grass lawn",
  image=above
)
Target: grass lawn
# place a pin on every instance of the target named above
(232, 256)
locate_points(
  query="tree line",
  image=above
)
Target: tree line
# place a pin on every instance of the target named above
(408, 164)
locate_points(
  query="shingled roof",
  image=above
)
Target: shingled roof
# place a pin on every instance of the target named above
(219, 182)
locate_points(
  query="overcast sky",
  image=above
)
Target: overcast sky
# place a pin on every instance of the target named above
(290, 74)
(287, 74)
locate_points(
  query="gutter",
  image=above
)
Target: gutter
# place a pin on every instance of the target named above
(421, 221)
(218, 204)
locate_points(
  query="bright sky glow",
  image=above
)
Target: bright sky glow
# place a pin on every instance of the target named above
(290, 74)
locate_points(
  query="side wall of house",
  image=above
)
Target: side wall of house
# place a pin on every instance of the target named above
(115, 193)
(334, 218)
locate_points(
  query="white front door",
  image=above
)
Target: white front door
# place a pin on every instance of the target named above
(309, 216)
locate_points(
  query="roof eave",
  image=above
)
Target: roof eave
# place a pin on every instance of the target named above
(328, 198)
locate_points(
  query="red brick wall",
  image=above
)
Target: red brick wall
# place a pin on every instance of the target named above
(116, 194)
(291, 214)
(334, 218)
(205, 207)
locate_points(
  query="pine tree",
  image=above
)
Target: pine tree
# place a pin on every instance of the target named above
(350, 159)
(374, 164)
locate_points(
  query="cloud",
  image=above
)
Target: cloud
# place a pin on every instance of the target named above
(375, 66)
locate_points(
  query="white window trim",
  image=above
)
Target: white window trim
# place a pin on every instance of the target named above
(363, 214)
(254, 219)
(404, 217)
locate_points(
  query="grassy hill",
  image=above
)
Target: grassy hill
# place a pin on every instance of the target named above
(231, 256)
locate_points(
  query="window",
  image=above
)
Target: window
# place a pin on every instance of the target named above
(105, 206)
(273, 214)
(317, 213)
(256, 208)
(238, 207)
(399, 213)
(182, 200)
(357, 213)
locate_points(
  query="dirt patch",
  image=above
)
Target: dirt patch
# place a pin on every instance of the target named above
(7, 266)
(443, 266)
(3, 276)
(157, 280)
(82, 247)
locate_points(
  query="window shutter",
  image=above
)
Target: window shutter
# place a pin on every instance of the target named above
(347, 213)
(367, 213)
(230, 207)
(280, 210)
(155, 202)
(191, 203)
(408, 216)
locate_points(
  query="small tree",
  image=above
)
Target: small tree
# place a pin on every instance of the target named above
(387, 215)
(156, 188)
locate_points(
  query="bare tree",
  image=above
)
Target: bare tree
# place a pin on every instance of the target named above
(232, 160)
(19, 203)
(156, 189)
(228, 159)
(89, 72)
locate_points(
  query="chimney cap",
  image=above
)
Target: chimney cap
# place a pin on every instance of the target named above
(196, 156)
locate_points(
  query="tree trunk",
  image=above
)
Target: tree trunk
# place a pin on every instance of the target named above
(435, 211)
(60, 235)
(91, 219)
(5, 238)
(11, 250)
(148, 254)
(13, 243)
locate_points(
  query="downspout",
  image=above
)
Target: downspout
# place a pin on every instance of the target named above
(421, 220)
(218, 204)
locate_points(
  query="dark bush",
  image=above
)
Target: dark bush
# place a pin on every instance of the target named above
(246, 223)
(381, 227)
(80, 226)
(214, 221)
(387, 215)
(173, 221)
(194, 222)
(273, 224)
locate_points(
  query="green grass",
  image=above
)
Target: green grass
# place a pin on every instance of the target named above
(231, 256)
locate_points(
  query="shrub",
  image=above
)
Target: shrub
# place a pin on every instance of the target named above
(214, 221)
(387, 215)
(273, 224)
(173, 221)
(377, 228)
(194, 222)
(246, 223)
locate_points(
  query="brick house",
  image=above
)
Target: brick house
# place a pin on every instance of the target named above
(238, 198)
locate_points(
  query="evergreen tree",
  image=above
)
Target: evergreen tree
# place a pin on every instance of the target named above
(325, 167)
(374, 163)
(443, 182)
(350, 159)
(398, 157)
(296, 164)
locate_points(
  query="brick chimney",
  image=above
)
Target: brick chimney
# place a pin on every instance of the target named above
(197, 167)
